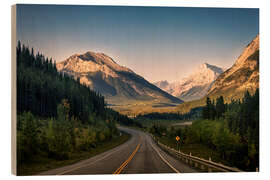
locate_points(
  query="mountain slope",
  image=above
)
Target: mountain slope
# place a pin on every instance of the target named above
(196, 85)
(234, 82)
(117, 83)
(242, 76)
(162, 85)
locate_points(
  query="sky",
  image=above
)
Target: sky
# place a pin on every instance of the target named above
(158, 43)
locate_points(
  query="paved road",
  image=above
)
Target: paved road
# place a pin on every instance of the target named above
(188, 123)
(138, 155)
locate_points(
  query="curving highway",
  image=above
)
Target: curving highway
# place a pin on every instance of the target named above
(138, 155)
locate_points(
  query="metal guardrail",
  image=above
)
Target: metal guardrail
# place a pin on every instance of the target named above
(199, 163)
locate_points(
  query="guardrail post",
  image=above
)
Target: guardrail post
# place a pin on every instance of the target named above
(257, 169)
(209, 169)
(210, 159)
(189, 153)
(202, 167)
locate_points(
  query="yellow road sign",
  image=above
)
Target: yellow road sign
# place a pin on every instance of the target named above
(177, 138)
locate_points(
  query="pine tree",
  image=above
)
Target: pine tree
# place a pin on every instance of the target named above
(207, 109)
(220, 107)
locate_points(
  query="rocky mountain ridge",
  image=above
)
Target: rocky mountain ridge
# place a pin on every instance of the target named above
(242, 76)
(117, 83)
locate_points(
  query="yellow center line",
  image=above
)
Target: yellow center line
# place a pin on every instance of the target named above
(124, 164)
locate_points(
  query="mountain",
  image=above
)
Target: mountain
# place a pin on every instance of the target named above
(117, 83)
(195, 86)
(235, 81)
(242, 76)
(162, 84)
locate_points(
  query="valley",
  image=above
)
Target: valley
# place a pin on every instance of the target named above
(134, 108)
(130, 94)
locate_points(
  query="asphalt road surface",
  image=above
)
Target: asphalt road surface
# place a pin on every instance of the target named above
(138, 155)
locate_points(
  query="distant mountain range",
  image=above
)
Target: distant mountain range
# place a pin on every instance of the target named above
(117, 83)
(195, 86)
(120, 85)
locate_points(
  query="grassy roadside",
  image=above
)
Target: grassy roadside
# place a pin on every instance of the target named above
(197, 150)
(44, 164)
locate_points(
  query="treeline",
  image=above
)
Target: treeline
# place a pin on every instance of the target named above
(57, 138)
(124, 120)
(194, 113)
(156, 115)
(40, 88)
(241, 116)
(231, 130)
(56, 114)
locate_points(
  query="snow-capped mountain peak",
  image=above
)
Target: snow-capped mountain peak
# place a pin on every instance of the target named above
(205, 73)
(211, 67)
(196, 84)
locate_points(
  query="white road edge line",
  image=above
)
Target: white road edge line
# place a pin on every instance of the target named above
(164, 159)
(69, 170)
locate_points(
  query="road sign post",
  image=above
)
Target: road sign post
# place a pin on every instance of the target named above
(177, 139)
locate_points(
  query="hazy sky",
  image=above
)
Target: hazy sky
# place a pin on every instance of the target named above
(159, 43)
